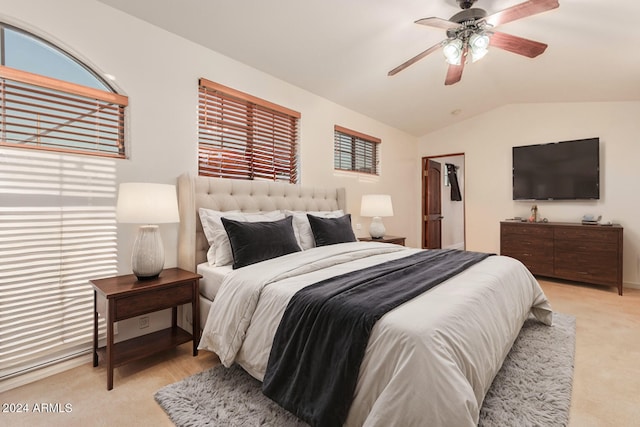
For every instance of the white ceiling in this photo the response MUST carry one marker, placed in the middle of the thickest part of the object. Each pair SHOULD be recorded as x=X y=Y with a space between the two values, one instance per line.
x=343 y=49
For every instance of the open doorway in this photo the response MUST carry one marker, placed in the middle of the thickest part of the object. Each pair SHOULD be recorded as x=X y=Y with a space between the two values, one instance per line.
x=443 y=211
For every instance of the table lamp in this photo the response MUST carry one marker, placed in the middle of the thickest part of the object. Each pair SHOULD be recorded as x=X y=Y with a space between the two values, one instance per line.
x=376 y=206
x=148 y=204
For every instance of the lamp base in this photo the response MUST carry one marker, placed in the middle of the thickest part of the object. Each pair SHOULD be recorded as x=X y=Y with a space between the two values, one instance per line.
x=147 y=257
x=376 y=229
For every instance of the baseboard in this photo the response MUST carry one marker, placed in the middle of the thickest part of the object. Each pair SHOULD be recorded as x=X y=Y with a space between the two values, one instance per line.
x=631 y=285
x=42 y=373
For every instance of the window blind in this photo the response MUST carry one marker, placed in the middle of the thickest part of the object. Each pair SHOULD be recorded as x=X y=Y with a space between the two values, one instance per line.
x=244 y=137
x=355 y=151
x=57 y=231
x=44 y=113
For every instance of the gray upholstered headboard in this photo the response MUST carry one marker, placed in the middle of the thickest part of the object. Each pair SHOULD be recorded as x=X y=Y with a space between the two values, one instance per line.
x=195 y=192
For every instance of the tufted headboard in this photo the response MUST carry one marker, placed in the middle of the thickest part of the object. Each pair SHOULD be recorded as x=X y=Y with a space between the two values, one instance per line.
x=221 y=194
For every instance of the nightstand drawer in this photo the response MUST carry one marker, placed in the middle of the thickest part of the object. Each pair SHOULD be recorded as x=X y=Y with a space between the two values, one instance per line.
x=159 y=299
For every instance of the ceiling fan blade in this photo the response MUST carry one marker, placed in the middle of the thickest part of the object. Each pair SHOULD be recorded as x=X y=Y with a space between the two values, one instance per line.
x=518 y=45
x=522 y=10
x=413 y=60
x=454 y=73
x=437 y=23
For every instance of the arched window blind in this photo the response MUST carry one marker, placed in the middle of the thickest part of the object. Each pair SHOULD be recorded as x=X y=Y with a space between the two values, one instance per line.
x=355 y=151
x=244 y=137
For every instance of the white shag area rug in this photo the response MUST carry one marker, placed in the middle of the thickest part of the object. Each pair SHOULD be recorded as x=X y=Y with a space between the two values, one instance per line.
x=533 y=388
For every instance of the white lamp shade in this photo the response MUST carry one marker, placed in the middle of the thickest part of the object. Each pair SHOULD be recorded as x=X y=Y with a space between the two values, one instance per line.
x=147 y=203
x=376 y=205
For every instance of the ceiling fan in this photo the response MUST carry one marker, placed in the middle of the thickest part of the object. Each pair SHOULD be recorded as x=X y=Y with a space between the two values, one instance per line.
x=470 y=33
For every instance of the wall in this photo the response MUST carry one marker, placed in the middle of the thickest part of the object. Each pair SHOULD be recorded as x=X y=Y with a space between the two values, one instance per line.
x=159 y=72
x=487 y=139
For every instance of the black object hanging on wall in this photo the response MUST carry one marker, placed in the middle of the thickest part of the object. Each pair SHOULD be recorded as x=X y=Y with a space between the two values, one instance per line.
x=453 y=180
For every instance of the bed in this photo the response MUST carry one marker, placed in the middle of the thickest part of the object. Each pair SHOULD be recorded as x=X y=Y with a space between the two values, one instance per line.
x=429 y=361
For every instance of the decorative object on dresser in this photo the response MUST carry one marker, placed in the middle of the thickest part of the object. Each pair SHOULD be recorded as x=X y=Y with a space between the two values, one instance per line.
x=147 y=203
x=376 y=206
x=127 y=297
x=384 y=239
x=571 y=251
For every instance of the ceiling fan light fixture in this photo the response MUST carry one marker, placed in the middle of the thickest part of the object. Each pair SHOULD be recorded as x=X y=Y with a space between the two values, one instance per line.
x=479 y=45
x=452 y=51
x=479 y=41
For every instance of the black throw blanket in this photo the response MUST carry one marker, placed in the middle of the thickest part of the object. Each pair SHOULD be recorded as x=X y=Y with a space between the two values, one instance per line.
x=321 y=340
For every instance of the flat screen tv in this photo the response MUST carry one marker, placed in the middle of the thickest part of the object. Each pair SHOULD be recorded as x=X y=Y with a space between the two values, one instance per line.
x=568 y=170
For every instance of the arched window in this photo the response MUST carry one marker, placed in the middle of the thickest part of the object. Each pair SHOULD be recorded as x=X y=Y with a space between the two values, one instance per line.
x=51 y=101
x=57 y=208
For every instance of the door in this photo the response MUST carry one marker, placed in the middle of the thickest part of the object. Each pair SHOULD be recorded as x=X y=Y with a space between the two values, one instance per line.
x=431 y=205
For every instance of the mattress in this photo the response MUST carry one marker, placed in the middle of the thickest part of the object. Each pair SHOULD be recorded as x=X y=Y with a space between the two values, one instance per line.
x=212 y=278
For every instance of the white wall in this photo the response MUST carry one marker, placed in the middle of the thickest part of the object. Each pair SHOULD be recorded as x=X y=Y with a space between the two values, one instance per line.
x=487 y=139
x=159 y=73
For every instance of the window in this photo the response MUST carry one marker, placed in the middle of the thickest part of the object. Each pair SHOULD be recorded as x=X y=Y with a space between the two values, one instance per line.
x=57 y=231
x=50 y=101
x=57 y=209
x=355 y=151
x=244 y=137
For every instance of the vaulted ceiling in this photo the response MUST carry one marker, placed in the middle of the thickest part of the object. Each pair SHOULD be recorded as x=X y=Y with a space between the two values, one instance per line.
x=342 y=50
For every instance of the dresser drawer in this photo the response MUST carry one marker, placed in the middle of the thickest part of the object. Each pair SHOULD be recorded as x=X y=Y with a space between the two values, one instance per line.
x=135 y=305
x=593 y=234
x=524 y=229
x=535 y=254
x=596 y=266
x=586 y=248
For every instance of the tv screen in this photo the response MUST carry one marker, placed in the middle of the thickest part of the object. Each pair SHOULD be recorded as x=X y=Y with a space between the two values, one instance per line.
x=566 y=170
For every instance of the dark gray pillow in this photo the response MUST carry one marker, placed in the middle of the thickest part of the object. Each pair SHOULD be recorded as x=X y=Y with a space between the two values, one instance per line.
x=329 y=231
x=253 y=242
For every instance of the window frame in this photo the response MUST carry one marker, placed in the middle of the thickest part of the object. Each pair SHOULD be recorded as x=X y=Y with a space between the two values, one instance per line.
x=70 y=110
x=241 y=136
x=359 y=142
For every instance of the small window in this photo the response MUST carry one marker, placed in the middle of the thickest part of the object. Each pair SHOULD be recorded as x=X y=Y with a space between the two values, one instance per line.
x=244 y=137
x=51 y=101
x=355 y=151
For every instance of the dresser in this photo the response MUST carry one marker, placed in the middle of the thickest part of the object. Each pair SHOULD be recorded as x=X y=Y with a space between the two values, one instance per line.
x=582 y=253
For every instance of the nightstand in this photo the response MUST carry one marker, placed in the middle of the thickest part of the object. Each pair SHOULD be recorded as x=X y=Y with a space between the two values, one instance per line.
x=385 y=239
x=127 y=297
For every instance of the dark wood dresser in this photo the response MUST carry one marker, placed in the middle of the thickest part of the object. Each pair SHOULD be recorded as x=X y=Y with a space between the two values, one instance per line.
x=570 y=251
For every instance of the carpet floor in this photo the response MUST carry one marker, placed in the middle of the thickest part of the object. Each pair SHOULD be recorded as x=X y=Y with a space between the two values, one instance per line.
x=533 y=388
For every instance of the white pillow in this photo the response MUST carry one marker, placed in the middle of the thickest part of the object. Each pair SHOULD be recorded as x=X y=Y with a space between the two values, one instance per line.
x=219 y=253
x=209 y=219
x=301 y=226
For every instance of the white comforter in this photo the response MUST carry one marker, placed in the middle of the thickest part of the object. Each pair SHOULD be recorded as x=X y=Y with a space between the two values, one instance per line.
x=428 y=362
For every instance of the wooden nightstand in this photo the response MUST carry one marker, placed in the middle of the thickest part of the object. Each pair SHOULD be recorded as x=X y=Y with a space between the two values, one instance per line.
x=128 y=297
x=385 y=239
